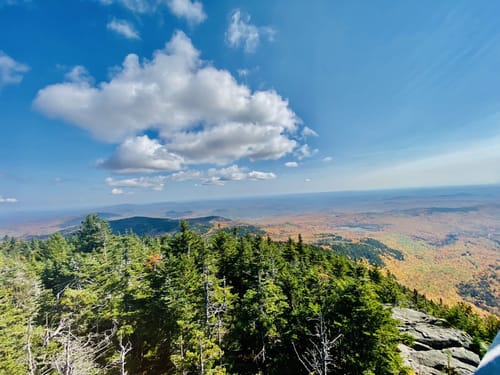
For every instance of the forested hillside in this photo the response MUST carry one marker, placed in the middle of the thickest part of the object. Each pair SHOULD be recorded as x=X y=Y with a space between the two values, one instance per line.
x=98 y=303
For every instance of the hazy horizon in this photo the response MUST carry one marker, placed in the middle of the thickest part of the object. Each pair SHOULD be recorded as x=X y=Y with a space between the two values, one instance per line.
x=247 y=206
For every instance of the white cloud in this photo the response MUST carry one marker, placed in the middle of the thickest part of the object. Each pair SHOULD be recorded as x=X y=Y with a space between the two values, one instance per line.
x=11 y=71
x=234 y=173
x=174 y=91
x=212 y=181
x=156 y=183
x=212 y=176
x=307 y=180
x=308 y=132
x=243 y=72
x=137 y=6
x=142 y=155
x=305 y=151
x=124 y=28
x=327 y=159
x=201 y=114
x=291 y=164
x=242 y=33
x=79 y=74
x=256 y=175
x=246 y=72
x=116 y=191
x=233 y=141
x=192 y=11
x=7 y=200
x=185 y=175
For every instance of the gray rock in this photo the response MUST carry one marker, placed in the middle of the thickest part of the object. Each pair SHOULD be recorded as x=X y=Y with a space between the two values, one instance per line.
x=433 y=361
x=419 y=346
x=410 y=317
x=436 y=348
x=465 y=356
x=429 y=330
x=410 y=359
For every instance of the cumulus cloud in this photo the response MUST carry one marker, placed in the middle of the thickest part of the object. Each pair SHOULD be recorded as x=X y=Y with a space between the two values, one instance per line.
x=327 y=159
x=124 y=28
x=233 y=141
x=192 y=11
x=232 y=173
x=11 y=71
x=291 y=164
x=242 y=33
x=7 y=200
x=116 y=191
x=200 y=113
x=142 y=155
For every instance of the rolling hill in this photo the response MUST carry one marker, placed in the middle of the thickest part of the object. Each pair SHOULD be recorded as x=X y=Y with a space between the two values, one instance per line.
x=152 y=226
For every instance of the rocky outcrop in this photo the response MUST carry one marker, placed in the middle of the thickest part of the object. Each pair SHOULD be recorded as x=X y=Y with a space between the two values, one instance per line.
x=436 y=348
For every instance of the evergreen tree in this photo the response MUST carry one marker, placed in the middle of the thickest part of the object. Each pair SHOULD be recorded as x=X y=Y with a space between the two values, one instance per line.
x=93 y=234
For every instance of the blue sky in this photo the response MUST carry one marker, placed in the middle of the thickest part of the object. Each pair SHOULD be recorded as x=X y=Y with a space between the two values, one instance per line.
x=121 y=101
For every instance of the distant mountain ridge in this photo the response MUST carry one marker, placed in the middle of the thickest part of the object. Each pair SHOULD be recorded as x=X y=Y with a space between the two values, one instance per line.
x=153 y=226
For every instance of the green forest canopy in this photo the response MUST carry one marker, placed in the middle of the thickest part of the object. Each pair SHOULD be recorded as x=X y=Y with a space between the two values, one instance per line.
x=98 y=303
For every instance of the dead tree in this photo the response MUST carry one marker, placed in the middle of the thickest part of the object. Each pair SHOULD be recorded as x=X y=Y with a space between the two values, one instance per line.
x=29 y=352
x=317 y=357
x=124 y=350
x=77 y=355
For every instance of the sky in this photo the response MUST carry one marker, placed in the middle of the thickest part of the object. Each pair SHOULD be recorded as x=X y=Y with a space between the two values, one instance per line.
x=106 y=102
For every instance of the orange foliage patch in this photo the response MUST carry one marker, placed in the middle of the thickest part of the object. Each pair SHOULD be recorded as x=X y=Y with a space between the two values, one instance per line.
x=153 y=260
